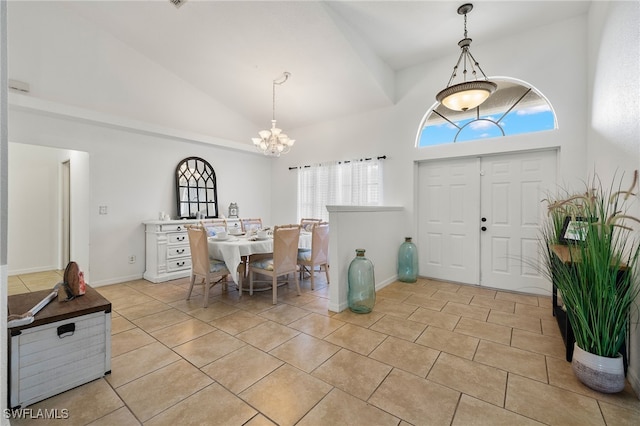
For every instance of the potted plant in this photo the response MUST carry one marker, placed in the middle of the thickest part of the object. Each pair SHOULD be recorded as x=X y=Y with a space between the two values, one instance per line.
x=598 y=283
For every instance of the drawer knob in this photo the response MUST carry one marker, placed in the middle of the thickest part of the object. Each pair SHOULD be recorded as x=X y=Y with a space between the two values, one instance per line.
x=180 y=251
x=180 y=238
x=180 y=263
x=66 y=330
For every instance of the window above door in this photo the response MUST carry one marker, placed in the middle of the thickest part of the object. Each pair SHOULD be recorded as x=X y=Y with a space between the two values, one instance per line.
x=515 y=108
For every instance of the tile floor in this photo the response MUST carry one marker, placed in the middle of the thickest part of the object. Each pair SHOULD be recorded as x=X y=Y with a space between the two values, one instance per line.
x=431 y=353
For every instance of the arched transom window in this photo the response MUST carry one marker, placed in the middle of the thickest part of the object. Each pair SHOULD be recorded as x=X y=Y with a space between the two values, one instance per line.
x=515 y=107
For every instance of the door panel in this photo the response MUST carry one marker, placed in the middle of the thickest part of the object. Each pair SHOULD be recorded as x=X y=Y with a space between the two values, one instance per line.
x=512 y=188
x=448 y=203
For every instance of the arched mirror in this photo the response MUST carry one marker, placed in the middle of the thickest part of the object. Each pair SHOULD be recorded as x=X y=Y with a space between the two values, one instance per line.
x=196 y=189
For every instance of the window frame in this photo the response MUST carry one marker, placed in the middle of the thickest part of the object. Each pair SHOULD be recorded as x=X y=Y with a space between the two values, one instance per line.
x=513 y=92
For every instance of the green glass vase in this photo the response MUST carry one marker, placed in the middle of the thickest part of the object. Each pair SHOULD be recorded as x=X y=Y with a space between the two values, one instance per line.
x=408 y=261
x=362 y=285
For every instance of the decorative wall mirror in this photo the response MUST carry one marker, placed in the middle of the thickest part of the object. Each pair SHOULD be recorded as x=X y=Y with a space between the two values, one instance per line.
x=196 y=189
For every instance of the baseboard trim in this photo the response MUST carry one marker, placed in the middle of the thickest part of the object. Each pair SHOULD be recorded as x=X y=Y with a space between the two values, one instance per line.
x=117 y=280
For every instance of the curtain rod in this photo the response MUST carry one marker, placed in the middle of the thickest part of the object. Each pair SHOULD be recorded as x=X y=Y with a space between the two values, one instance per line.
x=382 y=157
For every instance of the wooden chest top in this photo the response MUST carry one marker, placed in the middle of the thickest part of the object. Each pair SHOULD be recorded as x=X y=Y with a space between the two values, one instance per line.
x=90 y=302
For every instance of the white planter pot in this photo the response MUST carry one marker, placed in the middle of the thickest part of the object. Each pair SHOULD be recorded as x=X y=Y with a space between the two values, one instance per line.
x=598 y=372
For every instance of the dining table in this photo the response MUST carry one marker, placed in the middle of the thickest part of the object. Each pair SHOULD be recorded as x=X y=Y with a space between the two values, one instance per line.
x=233 y=248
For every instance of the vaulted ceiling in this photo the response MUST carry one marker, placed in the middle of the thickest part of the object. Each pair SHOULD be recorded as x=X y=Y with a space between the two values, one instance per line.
x=343 y=56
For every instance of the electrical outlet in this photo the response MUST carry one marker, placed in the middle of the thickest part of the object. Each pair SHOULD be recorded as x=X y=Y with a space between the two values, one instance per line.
x=132 y=259
x=102 y=210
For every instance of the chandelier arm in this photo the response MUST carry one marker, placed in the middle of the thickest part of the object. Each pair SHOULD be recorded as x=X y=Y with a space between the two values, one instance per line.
x=455 y=69
x=477 y=64
x=464 y=70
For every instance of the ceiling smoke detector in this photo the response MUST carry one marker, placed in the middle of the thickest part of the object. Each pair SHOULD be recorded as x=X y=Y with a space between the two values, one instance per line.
x=177 y=3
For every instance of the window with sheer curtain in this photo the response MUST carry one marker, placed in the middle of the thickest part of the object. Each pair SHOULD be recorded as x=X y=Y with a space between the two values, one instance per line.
x=356 y=183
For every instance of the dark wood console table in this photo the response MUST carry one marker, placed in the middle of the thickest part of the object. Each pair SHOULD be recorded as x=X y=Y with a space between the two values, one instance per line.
x=562 y=252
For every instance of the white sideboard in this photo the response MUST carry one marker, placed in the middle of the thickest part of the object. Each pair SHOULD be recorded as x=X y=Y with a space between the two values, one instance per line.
x=168 y=256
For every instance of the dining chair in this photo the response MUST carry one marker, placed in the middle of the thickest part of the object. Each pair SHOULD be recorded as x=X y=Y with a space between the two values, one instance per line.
x=212 y=271
x=319 y=253
x=213 y=226
x=283 y=261
x=307 y=223
x=251 y=225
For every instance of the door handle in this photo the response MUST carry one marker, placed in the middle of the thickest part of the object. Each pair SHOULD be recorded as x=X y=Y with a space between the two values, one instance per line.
x=484 y=228
x=484 y=219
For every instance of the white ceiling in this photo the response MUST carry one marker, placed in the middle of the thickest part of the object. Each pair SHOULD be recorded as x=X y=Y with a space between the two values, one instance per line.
x=343 y=55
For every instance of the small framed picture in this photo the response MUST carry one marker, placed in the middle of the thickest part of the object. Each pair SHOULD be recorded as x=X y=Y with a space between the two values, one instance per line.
x=574 y=230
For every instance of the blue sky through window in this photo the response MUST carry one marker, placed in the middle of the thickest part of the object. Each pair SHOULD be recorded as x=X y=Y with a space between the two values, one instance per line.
x=516 y=122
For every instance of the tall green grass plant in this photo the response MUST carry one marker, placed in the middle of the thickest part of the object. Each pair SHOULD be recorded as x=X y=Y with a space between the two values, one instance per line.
x=600 y=285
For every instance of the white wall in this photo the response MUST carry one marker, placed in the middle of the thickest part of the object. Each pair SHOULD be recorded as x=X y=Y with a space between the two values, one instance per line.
x=132 y=173
x=34 y=240
x=34 y=198
x=613 y=124
x=354 y=227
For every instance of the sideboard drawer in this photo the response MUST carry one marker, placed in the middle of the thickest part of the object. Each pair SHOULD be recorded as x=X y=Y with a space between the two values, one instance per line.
x=178 y=264
x=173 y=228
x=181 y=251
x=178 y=238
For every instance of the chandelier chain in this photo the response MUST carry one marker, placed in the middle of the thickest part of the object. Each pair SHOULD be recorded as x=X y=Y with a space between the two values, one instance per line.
x=284 y=78
x=465 y=25
x=273 y=113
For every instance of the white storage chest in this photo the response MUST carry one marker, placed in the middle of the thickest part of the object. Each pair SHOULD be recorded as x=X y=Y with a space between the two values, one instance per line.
x=67 y=345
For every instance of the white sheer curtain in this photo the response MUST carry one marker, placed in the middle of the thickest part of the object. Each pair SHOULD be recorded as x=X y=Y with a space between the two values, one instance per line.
x=357 y=183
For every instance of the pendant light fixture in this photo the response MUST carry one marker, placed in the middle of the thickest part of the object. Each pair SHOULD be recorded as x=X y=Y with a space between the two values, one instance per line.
x=273 y=142
x=468 y=94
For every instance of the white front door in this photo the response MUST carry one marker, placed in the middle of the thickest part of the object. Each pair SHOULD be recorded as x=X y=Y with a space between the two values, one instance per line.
x=456 y=244
x=448 y=205
x=513 y=187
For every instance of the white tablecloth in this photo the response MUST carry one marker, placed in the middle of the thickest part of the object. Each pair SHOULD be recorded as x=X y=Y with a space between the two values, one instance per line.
x=232 y=250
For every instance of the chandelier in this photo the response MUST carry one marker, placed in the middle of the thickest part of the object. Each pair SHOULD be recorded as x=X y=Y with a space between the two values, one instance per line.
x=273 y=142
x=468 y=94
